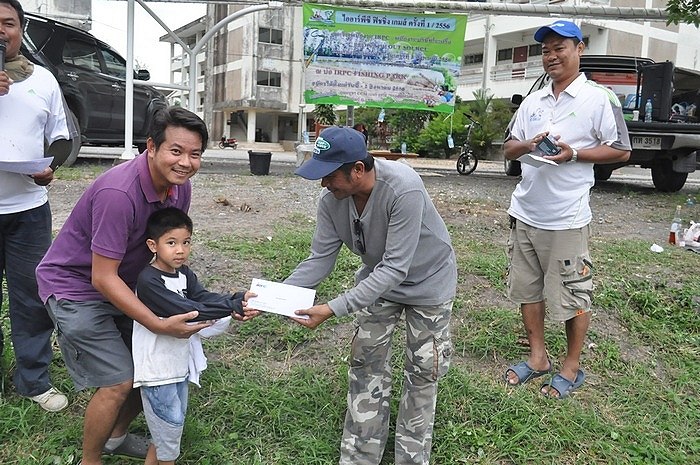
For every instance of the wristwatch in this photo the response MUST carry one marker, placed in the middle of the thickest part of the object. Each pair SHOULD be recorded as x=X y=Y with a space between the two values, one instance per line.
x=574 y=155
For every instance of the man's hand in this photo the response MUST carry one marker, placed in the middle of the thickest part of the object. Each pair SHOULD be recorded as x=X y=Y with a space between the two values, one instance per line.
x=317 y=315
x=177 y=325
x=248 y=313
x=5 y=82
x=43 y=178
x=564 y=155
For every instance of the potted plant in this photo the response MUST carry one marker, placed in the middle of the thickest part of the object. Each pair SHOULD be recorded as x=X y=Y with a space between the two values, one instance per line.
x=324 y=116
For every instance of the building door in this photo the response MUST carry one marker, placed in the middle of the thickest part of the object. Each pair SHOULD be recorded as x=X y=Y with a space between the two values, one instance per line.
x=519 y=56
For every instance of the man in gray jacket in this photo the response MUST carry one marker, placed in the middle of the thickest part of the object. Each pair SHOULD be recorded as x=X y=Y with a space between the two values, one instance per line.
x=381 y=211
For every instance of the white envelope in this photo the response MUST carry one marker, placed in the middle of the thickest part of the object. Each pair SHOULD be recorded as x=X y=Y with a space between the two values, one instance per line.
x=536 y=160
x=280 y=298
x=33 y=166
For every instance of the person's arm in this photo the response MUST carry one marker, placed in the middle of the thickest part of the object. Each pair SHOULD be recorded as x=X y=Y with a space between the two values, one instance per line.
x=516 y=144
x=106 y=280
x=601 y=154
x=325 y=247
x=611 y=130
x=5 y=83
x=211 y=304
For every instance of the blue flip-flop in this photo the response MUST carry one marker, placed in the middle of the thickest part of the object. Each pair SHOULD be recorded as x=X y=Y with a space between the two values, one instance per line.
x=525 y=373
x=563 y=386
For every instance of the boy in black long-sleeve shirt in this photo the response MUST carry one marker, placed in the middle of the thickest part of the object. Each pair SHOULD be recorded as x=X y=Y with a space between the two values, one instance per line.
x=163 y=364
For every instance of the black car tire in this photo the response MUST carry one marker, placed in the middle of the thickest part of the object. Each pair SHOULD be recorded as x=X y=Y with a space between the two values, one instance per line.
x=512 y=167
x=665 y=179
x=602 y=173
x=76 y=142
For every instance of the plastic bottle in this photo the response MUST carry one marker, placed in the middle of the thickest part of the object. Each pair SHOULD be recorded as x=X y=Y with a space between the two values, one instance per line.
x=403 y=147
x=648 y=108
x=674 y=233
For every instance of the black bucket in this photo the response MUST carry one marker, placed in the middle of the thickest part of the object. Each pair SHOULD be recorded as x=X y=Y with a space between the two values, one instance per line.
x=259 y=162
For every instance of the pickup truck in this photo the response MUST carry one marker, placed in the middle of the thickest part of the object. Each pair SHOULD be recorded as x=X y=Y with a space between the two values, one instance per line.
x=92 y=77
x=669 y=144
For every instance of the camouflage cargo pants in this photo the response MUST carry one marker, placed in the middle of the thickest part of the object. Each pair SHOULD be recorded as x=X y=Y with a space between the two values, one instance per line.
x=428 y=351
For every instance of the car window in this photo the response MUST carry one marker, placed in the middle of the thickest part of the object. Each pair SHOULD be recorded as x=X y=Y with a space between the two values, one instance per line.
x=114 y=63
x=83 y=54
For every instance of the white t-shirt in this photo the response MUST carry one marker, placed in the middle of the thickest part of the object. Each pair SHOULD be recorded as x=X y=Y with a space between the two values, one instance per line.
x=31 y=113
x=585 y=115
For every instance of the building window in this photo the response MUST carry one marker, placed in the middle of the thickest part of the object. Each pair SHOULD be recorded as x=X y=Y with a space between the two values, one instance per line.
x=269 y=78
x=473 y=59
x=267 y=35
x=505 y=54
x=534 y=50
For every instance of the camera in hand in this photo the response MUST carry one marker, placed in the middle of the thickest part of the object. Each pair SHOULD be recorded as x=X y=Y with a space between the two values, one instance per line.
x=548 y=146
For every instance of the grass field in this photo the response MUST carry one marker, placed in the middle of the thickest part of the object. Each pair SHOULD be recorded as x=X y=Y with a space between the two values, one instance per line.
x=274 y=393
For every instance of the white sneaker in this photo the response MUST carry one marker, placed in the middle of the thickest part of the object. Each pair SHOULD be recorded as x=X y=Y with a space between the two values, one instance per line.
x=52 y=400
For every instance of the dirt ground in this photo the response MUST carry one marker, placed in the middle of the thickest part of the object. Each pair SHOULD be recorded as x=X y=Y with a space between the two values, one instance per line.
x=228 y=199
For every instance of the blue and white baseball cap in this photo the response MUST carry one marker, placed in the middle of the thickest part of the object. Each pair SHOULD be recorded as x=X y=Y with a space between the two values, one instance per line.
x=335 y=146
x=560 y=27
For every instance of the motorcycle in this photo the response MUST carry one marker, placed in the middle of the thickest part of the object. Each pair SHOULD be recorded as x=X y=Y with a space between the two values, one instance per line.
x=230 y=142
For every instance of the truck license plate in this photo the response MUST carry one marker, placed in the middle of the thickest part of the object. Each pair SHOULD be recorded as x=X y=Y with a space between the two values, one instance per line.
x=646 y=142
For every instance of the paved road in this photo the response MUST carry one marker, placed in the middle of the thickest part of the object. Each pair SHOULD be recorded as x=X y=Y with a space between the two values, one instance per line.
x=425 y=165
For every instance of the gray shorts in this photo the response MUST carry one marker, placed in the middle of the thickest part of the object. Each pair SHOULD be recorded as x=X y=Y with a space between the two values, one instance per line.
x=164 y=408
x=95 y=340
x=554 y=266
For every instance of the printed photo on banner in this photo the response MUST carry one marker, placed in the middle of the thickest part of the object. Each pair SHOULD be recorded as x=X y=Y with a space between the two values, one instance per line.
x=382 y=59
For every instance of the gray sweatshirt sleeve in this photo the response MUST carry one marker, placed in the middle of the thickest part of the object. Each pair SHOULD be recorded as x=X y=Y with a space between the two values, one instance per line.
x=325 y=247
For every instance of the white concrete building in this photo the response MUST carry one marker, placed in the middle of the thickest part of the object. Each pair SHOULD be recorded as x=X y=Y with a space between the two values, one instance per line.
x=77 y=13
x=504 y=49
x=252 y=73
x=253 y=76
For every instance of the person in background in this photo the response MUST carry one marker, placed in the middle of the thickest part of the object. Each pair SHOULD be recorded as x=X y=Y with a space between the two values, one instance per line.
x=381 y=212
x=163 y=365
x=88 y=276
x=363 y=129
x=32 y=116
x=550 y=210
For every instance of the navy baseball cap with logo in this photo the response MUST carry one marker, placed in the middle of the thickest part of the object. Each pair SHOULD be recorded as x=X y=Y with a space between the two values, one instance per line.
x=335 y=146
x=562 y=28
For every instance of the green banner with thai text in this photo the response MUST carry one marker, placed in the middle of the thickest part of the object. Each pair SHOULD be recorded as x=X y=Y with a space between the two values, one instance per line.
x=383 y=59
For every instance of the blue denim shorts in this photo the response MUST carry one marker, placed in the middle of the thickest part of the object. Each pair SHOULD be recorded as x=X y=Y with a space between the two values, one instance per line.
x=164 y=408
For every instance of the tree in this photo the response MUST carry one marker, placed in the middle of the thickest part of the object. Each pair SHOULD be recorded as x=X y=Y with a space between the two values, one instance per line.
x=324 y=114
x=493 y=116
x=683 y=11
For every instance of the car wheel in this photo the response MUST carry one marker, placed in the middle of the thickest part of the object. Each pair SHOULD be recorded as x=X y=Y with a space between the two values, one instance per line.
x=665 y=179
x=76 y=142
x=512 y=167
x=602 y=173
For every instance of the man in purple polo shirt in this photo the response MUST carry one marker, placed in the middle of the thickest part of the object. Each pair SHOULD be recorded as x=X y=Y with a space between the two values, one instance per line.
x=88 y=275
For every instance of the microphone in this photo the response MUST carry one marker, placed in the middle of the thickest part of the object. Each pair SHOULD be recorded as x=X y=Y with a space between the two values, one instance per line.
x=3 y=48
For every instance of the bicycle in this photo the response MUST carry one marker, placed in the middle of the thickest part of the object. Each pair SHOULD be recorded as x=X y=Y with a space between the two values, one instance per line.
x=467 y=161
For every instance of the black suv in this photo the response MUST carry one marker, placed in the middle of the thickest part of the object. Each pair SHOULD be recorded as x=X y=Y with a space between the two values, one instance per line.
x=92 y=77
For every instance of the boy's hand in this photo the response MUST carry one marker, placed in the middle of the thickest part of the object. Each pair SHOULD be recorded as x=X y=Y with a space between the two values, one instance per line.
x=178 y=326
x=248 y=313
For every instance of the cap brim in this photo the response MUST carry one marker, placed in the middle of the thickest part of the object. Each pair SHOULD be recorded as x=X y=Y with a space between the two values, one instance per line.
x=315 y=169
x=544 y=30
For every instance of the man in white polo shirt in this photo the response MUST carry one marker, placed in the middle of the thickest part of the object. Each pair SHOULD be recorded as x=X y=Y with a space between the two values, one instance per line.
x=550 y=211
